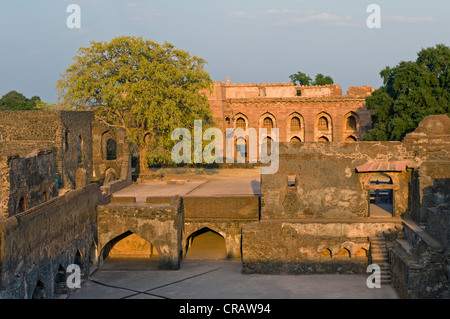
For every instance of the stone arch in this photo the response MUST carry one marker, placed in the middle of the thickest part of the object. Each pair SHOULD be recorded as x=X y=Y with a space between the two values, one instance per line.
x=205 y=243
x=39 y=291
x=240 y=116
x=110 y=175
x=267 y=143
x=22 y=204
x=362 y=252
x=241 y=147
x=266 y=117
x=153 y=251
x=60 y=287
x=351 y=138
x=294 y=132
x=351 y=122
x=343 y=253
x=295 y=139
x=323 y=139
x=323 y=126
x=325 y=253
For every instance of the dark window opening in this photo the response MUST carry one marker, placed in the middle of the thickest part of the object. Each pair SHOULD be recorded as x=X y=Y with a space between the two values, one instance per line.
x=111 y=150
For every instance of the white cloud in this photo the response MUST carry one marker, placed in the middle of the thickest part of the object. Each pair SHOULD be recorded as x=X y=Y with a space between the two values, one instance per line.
x=323 y=17
x=239 y=15
x=283 y=11
x=402 y=18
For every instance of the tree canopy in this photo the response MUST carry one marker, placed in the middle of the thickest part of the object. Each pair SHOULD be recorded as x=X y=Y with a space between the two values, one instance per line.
x=15 y=101
x=411 y=90
x=301 y=78
x=141 y=86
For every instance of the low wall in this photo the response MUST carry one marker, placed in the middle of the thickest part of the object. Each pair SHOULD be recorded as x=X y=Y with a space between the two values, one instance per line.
x=159 y=224
x=37 y=242
x=221 y=207
x=309 y=246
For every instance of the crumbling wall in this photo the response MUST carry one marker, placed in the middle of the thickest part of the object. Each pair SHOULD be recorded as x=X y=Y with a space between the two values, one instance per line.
x=36 y=243
x=66 y=133
x=116 y=165
x=32 y=181
x=326 y=182
x=420 y=255
x=159 y=224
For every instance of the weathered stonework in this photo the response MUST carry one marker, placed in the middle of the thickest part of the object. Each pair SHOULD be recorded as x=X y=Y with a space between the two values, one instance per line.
x=283 y=101
x=159 y=224
x=35 y=243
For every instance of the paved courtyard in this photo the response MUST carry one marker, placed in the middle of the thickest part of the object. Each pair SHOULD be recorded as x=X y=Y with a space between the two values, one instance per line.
x=221 y=280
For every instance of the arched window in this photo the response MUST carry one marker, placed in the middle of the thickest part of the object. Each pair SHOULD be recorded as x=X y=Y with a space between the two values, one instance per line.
x=111 y=148
x=350 y=139
x=350 y=124
x=268 y=123
x=323 y=139
x=66 y=140
x=80 y=150
x=295 y=139
x=295 y=124
x=241 y=148
x=240 y=123
x=22 y=205
x=323 y=124
x=267 y=142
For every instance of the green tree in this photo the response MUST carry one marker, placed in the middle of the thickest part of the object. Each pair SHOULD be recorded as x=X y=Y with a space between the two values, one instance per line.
x=140 y=86
x=323 y=80
x=15 y=101
x=411 y=90
x=300 y=78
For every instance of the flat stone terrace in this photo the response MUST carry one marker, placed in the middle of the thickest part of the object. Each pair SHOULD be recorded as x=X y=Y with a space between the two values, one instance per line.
x=194 y=188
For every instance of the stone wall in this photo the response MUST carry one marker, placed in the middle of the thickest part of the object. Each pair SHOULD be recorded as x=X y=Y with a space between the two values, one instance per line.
x=32 y=181
x=67 y=133
x=38 y=243
x=309 y=246
x=111 y=154
x=283 y=101
x=327 y=184
x=420 y=255
x=159 y=224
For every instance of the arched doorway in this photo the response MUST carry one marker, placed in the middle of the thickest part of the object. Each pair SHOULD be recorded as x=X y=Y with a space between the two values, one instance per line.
x=60 y=281
x=381 y=196
x=206 y=244
x=39 y=291
x=129 y=251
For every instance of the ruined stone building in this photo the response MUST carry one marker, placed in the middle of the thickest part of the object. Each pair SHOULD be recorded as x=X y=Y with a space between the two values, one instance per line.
x=301 y=113
x=330 y=208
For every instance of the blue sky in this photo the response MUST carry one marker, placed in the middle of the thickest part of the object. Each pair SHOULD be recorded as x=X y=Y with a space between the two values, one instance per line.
x=248 y=40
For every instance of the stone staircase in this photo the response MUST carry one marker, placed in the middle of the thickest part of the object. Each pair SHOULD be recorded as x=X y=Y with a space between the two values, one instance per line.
x=379 y=255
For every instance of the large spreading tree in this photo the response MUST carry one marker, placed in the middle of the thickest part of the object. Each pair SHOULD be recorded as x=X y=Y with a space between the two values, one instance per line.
x=141 y=86
x=411 y=90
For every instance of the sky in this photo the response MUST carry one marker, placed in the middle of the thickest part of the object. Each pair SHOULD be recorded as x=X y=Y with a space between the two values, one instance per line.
x=250 y=41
